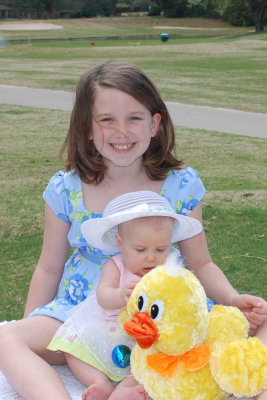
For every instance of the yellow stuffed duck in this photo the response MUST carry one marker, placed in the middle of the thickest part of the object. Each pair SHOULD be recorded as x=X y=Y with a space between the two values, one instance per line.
x=184 y=352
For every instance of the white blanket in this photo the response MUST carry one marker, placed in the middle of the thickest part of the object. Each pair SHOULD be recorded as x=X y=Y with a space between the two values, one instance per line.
x=73 y=386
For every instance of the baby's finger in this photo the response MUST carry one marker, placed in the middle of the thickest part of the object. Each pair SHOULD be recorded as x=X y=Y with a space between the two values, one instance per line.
x=256 y=320
x=261 y=307
x=253 y=328
x=258 y=317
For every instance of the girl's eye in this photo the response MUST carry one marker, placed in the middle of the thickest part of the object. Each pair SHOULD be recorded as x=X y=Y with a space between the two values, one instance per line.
x=134 y=118
x=106 y=120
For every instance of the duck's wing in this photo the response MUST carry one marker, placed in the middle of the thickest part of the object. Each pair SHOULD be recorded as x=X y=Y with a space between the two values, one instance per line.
x=226 y=324
x=240 y=367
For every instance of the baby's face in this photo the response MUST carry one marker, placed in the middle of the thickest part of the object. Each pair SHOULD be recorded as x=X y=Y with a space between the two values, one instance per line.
x=145 y=243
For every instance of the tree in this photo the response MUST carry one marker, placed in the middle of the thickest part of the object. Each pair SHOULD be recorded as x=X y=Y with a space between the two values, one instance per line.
x=237 y=12
x=173 y=8
x=258 y=9
x=245 y=12
x=113 y=4
x=93 y=8
x=191 y=8
x=22 y=8
x=48 y=7
x=214 y=8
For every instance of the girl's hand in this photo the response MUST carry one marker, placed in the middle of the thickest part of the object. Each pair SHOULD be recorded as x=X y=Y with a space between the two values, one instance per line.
x=127 y=289
x=254 y=308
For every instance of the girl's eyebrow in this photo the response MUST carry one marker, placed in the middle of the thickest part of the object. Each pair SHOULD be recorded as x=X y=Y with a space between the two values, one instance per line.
x=102 y=114
x=108 y=114
x=137 y=112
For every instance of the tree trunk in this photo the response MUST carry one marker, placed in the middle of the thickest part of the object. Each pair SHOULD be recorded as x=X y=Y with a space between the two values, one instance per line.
x=49 y=8
x=113 y=4
x=259 y=19
x=258 y=8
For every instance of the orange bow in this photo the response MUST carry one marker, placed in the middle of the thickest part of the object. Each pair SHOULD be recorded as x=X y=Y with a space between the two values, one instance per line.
x=192 y=360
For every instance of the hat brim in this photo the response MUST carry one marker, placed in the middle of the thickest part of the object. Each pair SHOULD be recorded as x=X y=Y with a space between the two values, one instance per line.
x=100 y=233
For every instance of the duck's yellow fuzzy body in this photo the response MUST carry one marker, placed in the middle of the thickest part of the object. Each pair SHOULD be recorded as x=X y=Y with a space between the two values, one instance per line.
x=183 y=385
x=181 y=324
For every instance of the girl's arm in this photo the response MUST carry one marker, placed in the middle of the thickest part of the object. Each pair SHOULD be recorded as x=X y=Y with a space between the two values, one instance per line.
x=47 y=275
x=197 y=258
x=109 y=295
x=215 y=283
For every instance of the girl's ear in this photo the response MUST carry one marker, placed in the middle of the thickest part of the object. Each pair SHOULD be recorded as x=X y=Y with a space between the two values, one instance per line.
x=119 y=241
x=156 y=118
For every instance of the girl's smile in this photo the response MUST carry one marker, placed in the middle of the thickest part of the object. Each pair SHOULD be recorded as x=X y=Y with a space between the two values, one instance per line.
x=122 y=147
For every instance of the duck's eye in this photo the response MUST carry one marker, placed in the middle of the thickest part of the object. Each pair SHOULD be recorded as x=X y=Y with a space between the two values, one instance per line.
x=142 y=302
x=157 y=309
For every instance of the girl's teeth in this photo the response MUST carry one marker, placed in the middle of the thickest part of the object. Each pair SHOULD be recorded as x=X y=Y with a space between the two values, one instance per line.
x=122 y=146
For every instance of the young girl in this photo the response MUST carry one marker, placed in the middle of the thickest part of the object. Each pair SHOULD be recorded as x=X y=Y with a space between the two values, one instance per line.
x=120 y=140
x=141 y=225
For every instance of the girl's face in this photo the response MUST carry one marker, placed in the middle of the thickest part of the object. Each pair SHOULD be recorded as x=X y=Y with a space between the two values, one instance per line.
x=145 y=243
x=122 y=127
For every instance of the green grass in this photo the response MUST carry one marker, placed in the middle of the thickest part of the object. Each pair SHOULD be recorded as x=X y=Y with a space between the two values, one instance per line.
x=130 y=26
x=217 y=66
x=237 y=240
x=232 y=168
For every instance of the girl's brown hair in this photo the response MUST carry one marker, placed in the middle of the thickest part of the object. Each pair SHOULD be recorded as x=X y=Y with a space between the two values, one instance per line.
x=82 y=155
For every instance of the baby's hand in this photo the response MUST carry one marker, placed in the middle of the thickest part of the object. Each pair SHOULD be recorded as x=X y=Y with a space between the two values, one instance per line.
x=253 y=307
x=127 y=289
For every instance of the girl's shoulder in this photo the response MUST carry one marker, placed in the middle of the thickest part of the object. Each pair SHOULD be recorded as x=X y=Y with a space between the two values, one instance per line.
x=63 y=193
x=65 y=180
x=180 y=178
x=184 y=189
x=189 y=173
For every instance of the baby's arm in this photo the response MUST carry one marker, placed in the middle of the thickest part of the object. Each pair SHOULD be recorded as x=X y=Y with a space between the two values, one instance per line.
x=109 y=294
x=127 y=289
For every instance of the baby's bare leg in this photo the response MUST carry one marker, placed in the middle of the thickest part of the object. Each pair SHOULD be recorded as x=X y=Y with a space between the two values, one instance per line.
x=129 y=389
x=22 y=346
x=98 y=385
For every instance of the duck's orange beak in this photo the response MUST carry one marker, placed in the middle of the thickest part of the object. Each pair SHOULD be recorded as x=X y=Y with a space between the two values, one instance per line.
x=143 y=329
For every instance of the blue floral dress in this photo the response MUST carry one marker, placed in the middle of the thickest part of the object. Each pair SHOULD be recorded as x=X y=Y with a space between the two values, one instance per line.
x=182 y=188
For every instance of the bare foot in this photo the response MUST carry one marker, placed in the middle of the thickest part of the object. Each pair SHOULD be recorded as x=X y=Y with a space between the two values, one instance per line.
x=97 y=392
x=262 y=395
x=129 y=392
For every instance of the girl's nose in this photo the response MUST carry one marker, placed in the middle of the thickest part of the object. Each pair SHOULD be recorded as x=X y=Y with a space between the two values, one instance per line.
x=121 y=128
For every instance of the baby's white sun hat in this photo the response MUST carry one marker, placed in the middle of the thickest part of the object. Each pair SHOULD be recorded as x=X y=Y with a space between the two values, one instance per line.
x=101 y=232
